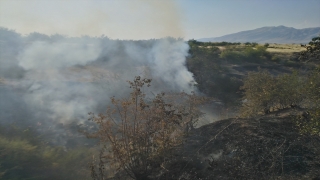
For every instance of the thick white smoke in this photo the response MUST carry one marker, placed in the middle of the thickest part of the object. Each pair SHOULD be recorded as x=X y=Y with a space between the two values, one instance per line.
x=40 y=55
x=65 y=78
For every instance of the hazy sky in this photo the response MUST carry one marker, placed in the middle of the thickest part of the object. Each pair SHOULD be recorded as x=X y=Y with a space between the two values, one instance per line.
x=145 y=19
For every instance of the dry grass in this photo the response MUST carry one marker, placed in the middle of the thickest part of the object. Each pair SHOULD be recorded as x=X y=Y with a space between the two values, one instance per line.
x=222 y=48
x=285 y=48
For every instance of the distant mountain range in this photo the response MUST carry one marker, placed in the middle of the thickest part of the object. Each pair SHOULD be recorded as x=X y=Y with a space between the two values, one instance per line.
x=271 y=34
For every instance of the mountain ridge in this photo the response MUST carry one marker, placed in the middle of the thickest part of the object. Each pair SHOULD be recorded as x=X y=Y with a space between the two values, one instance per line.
x=269 y=34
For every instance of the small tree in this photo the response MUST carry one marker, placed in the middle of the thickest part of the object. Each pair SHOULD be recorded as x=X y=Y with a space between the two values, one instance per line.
x=138 y=133
x=253 y=44
x=264 y=92
x=312 y=50
x=247 y=44
x=309 y=122
x=258 y=93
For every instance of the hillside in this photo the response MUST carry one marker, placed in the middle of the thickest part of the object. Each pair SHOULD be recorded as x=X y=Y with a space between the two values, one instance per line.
x=265 y=147
x=272 y=34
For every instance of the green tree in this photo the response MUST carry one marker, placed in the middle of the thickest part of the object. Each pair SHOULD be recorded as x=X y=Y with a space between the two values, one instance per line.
x=310 y=121
x=253 y=44
x=249 y=54
x=264 y=92
x=312 y=52
x=258 y=93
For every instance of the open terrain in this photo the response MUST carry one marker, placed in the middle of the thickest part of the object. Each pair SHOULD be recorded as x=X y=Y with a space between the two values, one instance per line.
x=222 y=145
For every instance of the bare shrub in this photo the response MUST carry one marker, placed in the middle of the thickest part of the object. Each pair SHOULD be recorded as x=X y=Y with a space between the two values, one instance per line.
x=138 y=132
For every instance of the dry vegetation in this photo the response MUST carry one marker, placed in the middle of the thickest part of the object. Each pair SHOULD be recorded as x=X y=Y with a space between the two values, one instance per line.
x=285 y=48
x=155 y=139
x=139 y=133
x=146 y=136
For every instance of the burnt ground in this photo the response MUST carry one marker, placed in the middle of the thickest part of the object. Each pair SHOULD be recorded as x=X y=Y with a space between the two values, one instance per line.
x=265 y=147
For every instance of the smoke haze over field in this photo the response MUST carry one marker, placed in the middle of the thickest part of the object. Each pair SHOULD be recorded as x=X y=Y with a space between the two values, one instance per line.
x=47 y=79
x=146 y=19
x=51 y=79
x=117 y=19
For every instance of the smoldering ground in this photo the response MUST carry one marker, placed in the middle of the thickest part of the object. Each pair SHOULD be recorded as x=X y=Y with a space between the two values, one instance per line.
x=47 y=80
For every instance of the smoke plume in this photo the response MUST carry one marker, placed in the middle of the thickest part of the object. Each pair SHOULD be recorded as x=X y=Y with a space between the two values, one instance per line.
x=54 y=79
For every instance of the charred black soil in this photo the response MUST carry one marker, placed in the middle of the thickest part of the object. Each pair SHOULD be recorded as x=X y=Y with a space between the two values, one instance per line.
x=265 y=147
